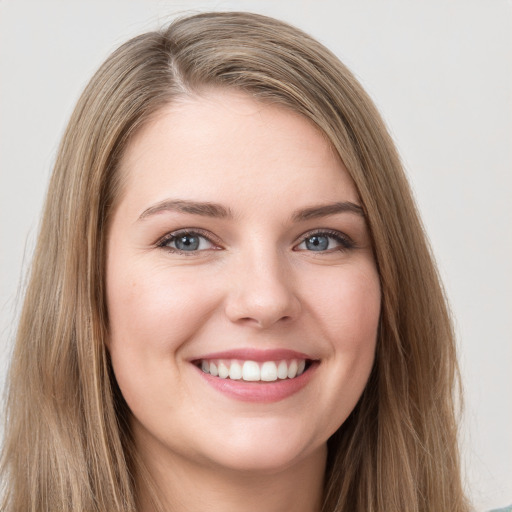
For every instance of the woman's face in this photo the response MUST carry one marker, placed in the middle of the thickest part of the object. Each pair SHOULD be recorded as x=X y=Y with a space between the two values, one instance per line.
x=242 y=292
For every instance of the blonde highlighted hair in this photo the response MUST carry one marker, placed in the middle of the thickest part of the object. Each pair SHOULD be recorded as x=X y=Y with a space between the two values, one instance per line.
x=67 y=438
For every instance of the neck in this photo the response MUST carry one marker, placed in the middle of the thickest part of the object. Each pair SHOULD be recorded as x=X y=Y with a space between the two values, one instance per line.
x=187 y=487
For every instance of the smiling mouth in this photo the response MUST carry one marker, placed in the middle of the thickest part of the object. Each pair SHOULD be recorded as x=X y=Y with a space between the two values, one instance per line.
x=253 y=371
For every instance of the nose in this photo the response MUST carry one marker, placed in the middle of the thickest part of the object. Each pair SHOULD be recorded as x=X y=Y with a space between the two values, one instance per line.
x=262 y=293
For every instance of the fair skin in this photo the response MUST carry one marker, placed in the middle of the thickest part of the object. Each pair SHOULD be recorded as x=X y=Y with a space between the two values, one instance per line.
x=277 y=275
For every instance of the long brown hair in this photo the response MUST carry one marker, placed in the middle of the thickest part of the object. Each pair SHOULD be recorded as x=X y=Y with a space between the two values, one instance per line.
x=67 y=440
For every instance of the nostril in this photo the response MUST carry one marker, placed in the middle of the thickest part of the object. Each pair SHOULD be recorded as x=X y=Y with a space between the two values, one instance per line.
x=253 y=306
x=265 y=322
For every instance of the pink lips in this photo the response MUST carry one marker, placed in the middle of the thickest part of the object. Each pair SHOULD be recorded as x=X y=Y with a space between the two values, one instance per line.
x=262 y=392
x=249 y=354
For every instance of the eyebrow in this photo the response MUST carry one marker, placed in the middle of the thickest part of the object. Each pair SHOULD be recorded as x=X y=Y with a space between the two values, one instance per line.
x=205 y=209
x=329 y=209
x=208 y=209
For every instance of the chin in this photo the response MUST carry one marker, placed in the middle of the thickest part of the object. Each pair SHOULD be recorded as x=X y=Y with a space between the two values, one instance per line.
x=266 y=448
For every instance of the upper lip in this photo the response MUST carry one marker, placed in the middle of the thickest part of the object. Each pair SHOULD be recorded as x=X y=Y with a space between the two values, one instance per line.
x=258 y=355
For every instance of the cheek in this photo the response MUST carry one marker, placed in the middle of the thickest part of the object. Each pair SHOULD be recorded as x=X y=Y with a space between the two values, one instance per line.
x=154 y=309
x=152 y=314
x=347 y=306
x=347 y=310
x=355 y=328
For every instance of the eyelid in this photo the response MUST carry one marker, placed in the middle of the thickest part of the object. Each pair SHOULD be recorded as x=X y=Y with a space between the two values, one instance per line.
x=345 y=241
x=162 y=241
x=343 y=238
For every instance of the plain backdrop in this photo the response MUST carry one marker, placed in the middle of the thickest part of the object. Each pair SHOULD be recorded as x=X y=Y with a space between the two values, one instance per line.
x=441 y=74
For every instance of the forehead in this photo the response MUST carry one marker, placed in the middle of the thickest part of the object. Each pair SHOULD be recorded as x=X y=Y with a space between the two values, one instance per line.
x=224 y=146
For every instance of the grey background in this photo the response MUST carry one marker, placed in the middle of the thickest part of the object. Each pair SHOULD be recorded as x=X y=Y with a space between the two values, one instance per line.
x=440 y=72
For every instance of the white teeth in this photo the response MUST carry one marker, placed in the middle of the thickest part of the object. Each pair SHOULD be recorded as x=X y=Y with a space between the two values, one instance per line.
x=282 y=370
x=269 y=371
x=223 y=371
x=292 y=369
x=235 y=371
x=252 y=371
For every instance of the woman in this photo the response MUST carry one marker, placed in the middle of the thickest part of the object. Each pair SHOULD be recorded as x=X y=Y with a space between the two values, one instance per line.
x=232 y=303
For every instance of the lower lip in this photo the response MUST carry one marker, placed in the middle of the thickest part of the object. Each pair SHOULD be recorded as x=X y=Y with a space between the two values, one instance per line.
x=262 y=392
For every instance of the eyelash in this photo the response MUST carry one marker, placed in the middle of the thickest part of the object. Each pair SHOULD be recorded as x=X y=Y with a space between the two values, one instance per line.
x=346 y=243
x=170 y=237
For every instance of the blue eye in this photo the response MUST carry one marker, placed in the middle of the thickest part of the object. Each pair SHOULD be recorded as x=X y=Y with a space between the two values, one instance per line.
x=317 y=243
x=189 y=241
x=321 y=242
